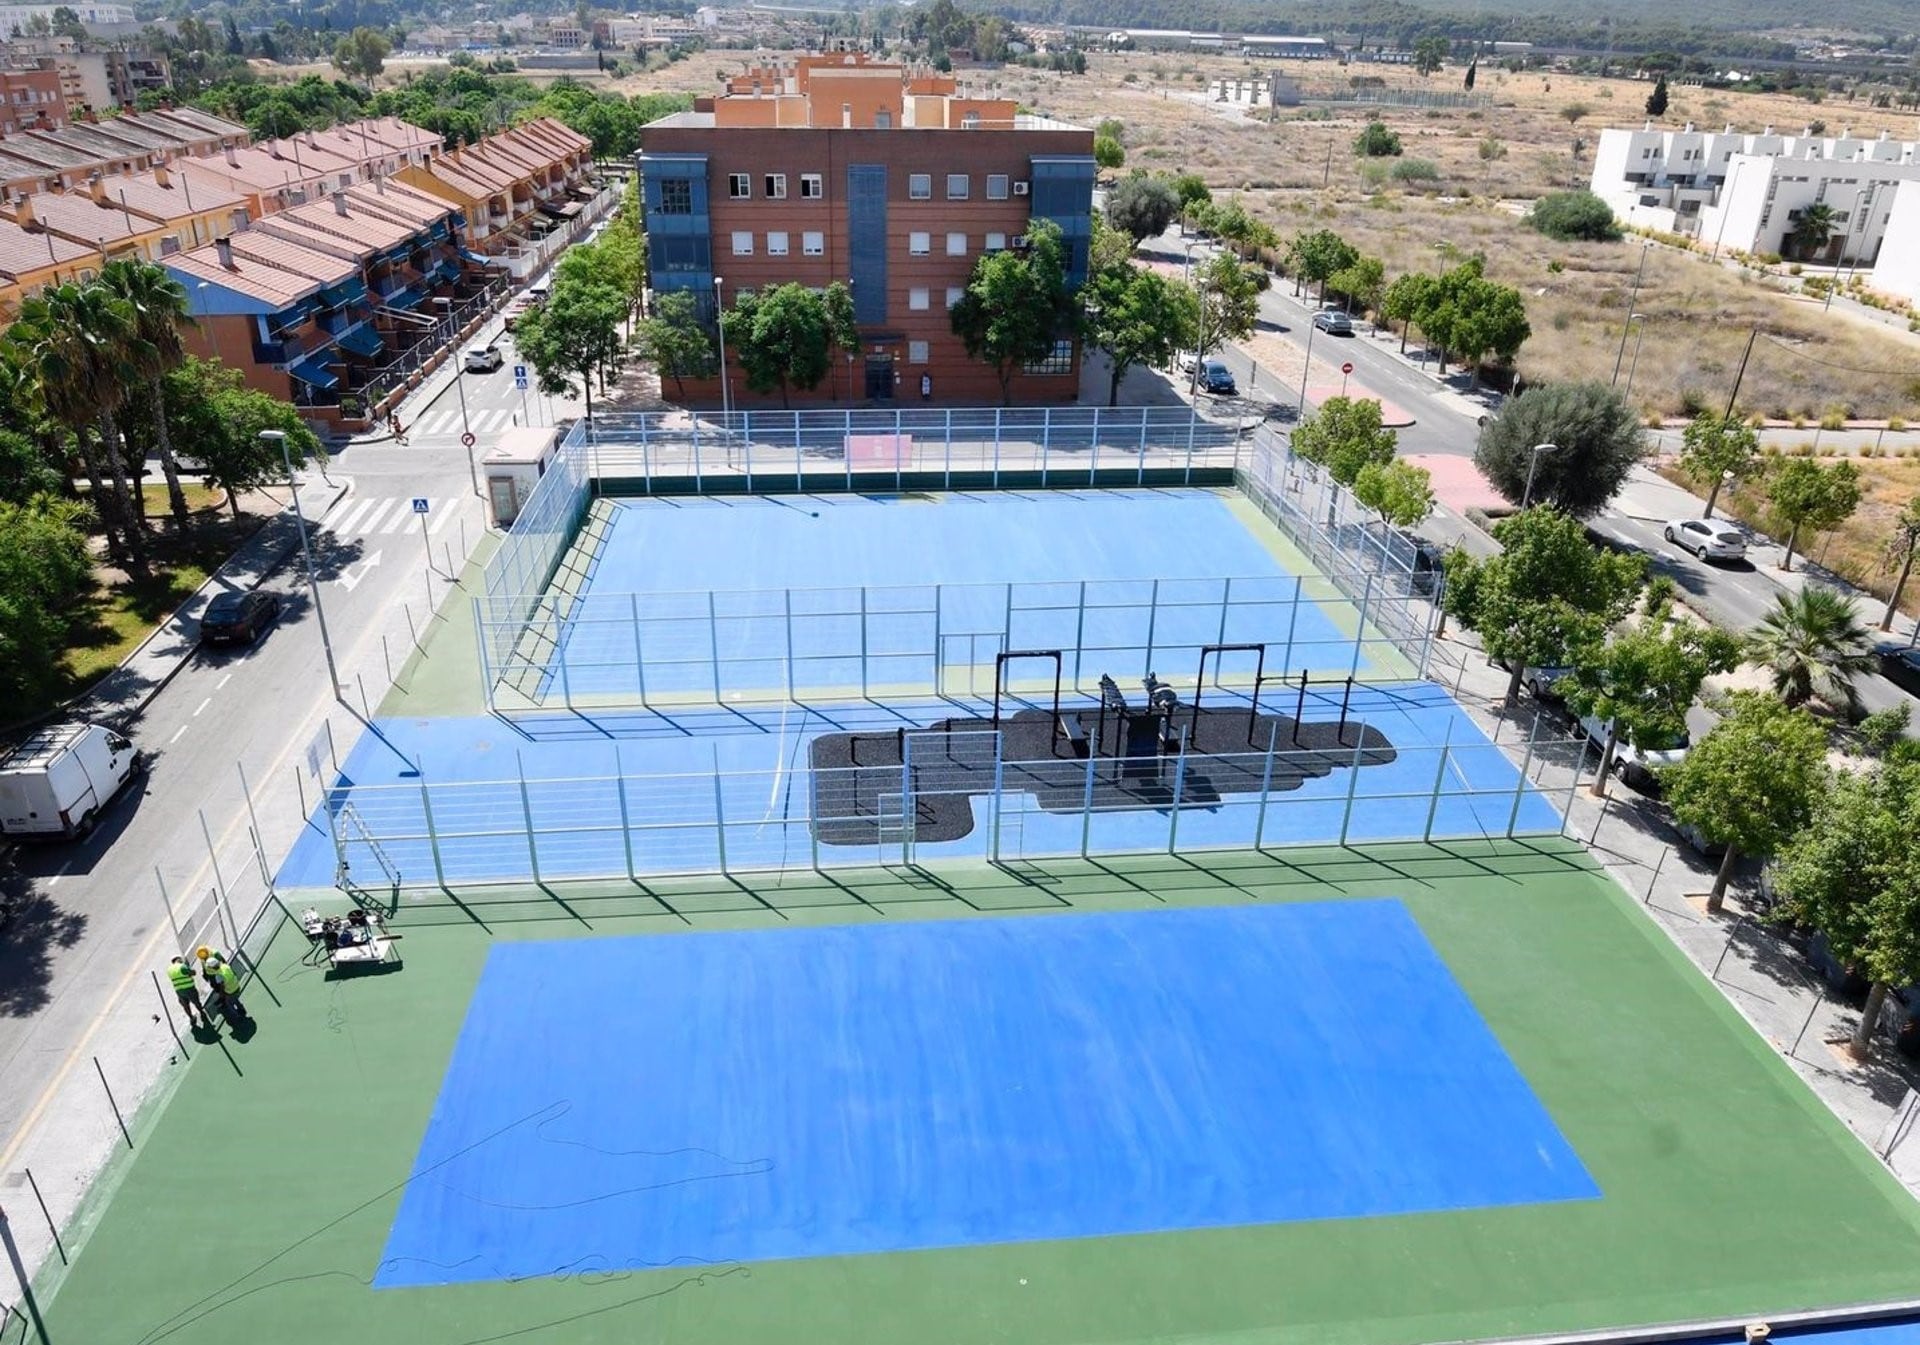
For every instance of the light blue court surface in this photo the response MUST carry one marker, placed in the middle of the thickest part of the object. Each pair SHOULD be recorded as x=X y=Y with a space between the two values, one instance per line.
x=952 y=577
x=616 y=1104
x=1446 y=781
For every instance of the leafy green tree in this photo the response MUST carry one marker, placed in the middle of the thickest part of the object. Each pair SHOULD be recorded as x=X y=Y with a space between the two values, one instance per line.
x=1108 y=152
x=1487 y=319
x=843 y=325
x=1398 y=491
x=1229 y=303
x=217 y=420
x=1598 y=440
x=1345 y=436
x=1853 y=873
x=1644 y=679
x=1902 y=545
x=1657 y=100
x=782 y=338
x=1142 y=206
x=675 y=341
x=1318 y=254
x=1139 y=317
x=1376 y=142
x=1362 y=281
x=25 y=470
x=575 y=332
x=158 y=306
x=1803 y=494
x=1574 y=216
x=44 y=568
x=1192 y=190
x=1719 y=449
x=1751 y=783
x=1404 y=300
x=1548 y=593
x=1430 y=54
x=362 y=53
x=1812 y=645
x=1016 y=305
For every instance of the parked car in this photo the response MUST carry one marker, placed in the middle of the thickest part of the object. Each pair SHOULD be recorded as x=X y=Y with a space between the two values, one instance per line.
x=537 y=293
x=1901 y=666
x=238 y=618
x=484 y=360
x=56 y=781
x=1638 y=763
x=1545 y=683
x=1215 y=377
x=1707 y=538
x=1333 y=322
x=514 y=310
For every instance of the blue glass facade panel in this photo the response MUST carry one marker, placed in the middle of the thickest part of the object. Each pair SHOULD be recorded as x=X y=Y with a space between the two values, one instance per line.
x=867 y=241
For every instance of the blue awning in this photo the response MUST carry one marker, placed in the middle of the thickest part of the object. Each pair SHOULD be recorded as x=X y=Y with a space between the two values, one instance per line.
x=361 y=339
x=347 y=291
x=478 y=260
x=313 y=371
x=407 y=296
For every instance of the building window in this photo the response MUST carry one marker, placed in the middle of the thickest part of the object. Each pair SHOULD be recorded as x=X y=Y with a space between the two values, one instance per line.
x=970 y=121
x=812 y=187
x=919 y=244
x=953 y=295
x=742 y=243
x=676 y=196
x=918 y=299
x=813 y=244
x=776 y=186
x=883 y=120
x=956 y=245
x=776 y=245
x=739 y=186
x=996 y=186
x=1059 y=362
x=916 y=352
x=996 y=242
x=958 y=185
x=920 y=186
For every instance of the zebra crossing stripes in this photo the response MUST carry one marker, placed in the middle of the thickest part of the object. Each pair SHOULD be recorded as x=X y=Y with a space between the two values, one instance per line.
x=445 y=420
x=376 y=515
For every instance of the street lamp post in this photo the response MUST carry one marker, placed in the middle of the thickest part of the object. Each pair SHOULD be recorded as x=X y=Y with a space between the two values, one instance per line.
x=1638 y=341
x=1533 y=465
x=213 y=333
x=720 y=328
x=1301 y=410
x=460 y=386
x=1632 y=299
x=306 y=552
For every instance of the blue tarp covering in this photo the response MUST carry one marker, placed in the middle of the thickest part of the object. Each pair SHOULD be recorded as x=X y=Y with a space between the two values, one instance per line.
x=346 y=292
x=361 y=339
x=312 y=370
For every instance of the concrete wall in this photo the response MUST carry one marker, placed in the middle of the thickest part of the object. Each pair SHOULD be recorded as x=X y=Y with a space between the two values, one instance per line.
x=1897 y=271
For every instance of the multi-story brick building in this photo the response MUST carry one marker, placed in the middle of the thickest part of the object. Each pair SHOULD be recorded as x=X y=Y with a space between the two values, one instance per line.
x=889 y=179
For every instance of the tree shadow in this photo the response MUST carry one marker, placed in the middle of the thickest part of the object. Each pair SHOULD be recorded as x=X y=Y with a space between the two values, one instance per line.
x=32 y=926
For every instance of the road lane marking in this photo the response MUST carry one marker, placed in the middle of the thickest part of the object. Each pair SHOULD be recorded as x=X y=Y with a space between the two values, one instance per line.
x=203 y=705
x=223 y=681
x=176 y=735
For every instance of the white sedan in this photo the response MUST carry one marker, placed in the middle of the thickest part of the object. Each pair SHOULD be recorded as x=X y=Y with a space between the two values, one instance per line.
x=1707 y=538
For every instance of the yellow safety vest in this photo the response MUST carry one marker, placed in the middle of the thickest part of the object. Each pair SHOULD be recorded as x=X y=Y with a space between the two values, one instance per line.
x=181 y=975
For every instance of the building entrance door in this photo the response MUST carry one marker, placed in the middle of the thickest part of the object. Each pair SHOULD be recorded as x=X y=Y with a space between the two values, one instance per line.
x=879 y=378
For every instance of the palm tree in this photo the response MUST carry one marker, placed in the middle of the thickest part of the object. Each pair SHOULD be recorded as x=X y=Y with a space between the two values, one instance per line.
x=1812 y=230
x=74 y=340
x=159 y=304
x=1812 y=644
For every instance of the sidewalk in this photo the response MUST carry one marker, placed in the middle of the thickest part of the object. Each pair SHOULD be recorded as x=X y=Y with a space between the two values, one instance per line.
x=140 y=676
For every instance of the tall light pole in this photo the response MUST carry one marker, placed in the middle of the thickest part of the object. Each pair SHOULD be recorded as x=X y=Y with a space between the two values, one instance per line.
x=1638 y=341
x=306 y=552
x=1533 y=465
x=460 y=386
x=213 y=333
x=1725 y=200
x=720 y=329
x=1632 y=299
x=1301 y=410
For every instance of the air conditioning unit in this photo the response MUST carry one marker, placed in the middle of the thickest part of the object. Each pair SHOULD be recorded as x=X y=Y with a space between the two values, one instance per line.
x=1020 y=188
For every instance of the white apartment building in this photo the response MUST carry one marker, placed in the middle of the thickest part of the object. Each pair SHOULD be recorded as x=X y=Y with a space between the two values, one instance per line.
x=1744 y=192
x=1897 y=270
x=15 y=18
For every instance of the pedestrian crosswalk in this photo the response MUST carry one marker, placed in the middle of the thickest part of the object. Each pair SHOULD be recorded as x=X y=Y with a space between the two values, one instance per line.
x=446 y=420
x=373 y=516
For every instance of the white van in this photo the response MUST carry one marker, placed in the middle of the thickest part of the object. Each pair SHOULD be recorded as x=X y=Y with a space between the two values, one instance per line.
x=1637 y=762
x=57 y=781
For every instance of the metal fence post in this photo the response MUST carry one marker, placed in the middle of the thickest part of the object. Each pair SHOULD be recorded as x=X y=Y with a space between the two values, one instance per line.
x=999 y=796
x=220 y=882
x=1086 y=804
x=846 y=444
x=1266 y=786
x=799 y=483
x=787 y=597
x=1520 y=786
x=433 y=833
x=713 y=644
x=946 y=471
x=1579 y=769
x=1360 y=633
x=1153 y=621
x=1353 y=786
x=1079 y=633
x=996 y=453
x=719 y=812
x=526 y=811
x=1143 y=434
x=1293 y=620
x=906 y=799
x=1179 y=792
x=639 y=659
x=1046 y=439
x=863 y=640
x=813 y=818
x=253 y=817
x=481 y=635
x=166 y=902
x=626 y=819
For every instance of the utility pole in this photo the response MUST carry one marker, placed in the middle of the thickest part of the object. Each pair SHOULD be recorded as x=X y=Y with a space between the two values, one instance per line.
x=1733 y=396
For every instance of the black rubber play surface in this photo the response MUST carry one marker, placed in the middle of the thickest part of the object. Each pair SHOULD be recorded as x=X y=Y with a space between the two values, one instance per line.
x=859 y=778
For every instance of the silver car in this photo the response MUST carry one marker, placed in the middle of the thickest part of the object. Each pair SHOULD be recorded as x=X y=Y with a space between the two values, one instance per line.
x=1333 y=322
x=1707 y=538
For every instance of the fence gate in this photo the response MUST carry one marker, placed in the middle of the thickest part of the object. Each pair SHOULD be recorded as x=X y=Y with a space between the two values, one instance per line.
x=965 y=663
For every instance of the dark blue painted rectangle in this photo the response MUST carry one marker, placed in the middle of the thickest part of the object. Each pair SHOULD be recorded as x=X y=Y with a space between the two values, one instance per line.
x=624 y=1103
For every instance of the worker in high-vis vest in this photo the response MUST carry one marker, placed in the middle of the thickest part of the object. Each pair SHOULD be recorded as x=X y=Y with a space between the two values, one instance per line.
x=181 y=975
x=223 y=983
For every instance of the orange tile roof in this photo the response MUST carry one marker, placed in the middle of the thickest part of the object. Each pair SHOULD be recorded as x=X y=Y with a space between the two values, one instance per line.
x=291 y=257
x=78 y=215
x=23 y=252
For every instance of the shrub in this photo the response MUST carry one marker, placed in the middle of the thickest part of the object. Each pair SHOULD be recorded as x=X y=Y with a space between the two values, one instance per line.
x=1416 y=170
x=1896 y=423
x=1572 y=216
x=1834 y=419
x=1555 y=267
x=1376 y=142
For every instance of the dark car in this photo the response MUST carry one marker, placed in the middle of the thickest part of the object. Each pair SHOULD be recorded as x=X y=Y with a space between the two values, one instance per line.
x=1215 y=377
x=1901 y=665
x=238 y=618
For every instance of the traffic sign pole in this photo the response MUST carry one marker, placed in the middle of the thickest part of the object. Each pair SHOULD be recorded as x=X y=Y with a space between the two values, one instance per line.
x=1345 y=369
x=420 y=508
x=473 y=472
x=520 y=382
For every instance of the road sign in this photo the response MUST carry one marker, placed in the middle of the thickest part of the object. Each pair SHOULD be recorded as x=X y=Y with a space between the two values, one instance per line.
x=520 y=377
x=466 y=439
x=1347 y=368
x=419 y=506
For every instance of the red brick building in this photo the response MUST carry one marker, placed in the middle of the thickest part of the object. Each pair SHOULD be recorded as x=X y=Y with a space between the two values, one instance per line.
x=891 y=180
